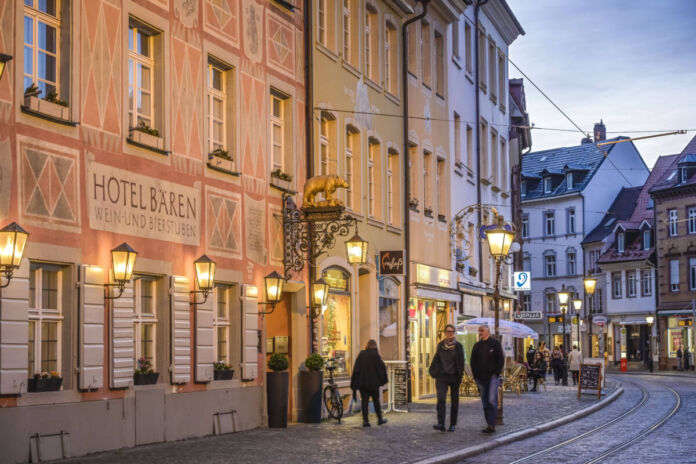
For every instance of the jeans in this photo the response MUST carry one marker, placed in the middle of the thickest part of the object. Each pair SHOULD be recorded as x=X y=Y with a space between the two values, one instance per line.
x=365 y=395
x=441 y=385
x=489 y=397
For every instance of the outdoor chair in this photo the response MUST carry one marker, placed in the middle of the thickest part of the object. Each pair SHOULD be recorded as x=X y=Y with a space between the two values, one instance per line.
x=468 y=383
x=511 y=381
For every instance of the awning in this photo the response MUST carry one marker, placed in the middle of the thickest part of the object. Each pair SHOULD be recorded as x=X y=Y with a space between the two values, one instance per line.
x=432 y=294
x=675 y=312
x=505 y=327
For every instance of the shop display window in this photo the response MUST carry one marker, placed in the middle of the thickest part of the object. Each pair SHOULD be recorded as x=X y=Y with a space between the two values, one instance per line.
x=336 y=321
x=388 y=318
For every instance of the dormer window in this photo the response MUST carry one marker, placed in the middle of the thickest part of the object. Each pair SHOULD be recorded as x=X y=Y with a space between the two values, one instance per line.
x=621 y=242
x=523 y=188
x=683 y=174
x=569 y=181
x=647 y=239
x=547 y=185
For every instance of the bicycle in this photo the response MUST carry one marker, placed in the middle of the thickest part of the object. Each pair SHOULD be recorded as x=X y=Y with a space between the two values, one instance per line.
x=332 y=397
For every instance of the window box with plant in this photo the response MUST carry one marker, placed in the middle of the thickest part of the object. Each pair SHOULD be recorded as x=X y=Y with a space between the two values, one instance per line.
x=223 y=371
x=428 y=211
x=281 y=180
x=221 y=160
x=441 y=218
x=144 y=135
x=277 y=390
x=50 y=105
x=144 y=375
x=45 y=382
x=310 y=382
x=413 y=204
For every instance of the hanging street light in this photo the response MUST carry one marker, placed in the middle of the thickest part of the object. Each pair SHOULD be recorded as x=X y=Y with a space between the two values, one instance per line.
x=356 y=249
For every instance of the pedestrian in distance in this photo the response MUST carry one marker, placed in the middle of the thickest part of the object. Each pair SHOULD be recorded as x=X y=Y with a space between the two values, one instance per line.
x=447 y=368
x=679 y=359
x=574 y=361
x=687 y=358
x=369 y=374
x=538 y=370
x=545 y=353
x=556 y=363
x=531 y=354
x=487 y=360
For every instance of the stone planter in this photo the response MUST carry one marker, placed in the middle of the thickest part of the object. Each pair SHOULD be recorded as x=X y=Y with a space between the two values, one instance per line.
x=310 y=383
x=44 y=385
x=145 y=379
x=148 y=140
x=48 y=108
x=226 y=374
x=280 y=183
x=221 y=164
x=277 y=398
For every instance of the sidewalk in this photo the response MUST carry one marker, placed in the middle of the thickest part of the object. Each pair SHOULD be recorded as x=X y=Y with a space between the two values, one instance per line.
x=406 y=438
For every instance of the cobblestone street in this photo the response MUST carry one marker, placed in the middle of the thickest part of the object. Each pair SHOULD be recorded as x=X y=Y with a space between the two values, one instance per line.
x=406 y=438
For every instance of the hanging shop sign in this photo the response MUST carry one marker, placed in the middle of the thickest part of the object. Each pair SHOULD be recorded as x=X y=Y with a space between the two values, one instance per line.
x=529 y=315
x=391 y=262
x=599 y=320
x=522 y=281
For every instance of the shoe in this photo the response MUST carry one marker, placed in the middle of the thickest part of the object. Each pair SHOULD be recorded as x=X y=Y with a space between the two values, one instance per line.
x=451 y=428
x=439 y=427
x=488 y=430
x=381 y=421
x=533 y=389
x=366 y=424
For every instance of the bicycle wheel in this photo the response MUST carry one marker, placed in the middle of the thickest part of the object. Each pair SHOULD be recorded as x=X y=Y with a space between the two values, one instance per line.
x=339 y=404
x=332 y=401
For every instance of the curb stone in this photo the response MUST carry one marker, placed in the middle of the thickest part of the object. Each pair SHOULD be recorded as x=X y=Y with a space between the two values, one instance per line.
x=520 y=434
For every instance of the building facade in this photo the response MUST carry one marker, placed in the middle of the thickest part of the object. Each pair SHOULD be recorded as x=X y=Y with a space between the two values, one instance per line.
x=158 y=123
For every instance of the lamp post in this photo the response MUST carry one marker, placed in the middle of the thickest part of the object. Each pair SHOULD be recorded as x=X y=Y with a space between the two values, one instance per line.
x=577 y=306
x=650 y=320
x=563 y=297
x=590 y=286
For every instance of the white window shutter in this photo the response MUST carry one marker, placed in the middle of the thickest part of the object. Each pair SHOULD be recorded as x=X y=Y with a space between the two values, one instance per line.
x=250 y=322
x=14 y=361
x=91 y=327
x=204 y=340
x=122 y=344
x=181 y=329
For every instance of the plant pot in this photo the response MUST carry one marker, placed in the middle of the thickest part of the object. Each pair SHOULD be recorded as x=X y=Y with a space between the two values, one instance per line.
x=277 y=398
x=44 y=385
x=145 y=379
x=48 y=108
x=310 y=396
x=149 y=140
x=225 y=374
x=280 y=183
x=221 y=164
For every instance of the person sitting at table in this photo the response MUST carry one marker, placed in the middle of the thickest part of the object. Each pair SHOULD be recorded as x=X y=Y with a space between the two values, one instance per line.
x=538 y=369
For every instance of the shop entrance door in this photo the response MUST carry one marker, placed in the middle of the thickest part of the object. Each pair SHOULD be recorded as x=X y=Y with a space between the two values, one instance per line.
x=426 y=330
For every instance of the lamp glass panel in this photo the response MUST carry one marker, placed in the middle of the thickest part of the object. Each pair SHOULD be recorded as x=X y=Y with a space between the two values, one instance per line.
x=2 y=68
x=649 y=319
x=563 y=297
x=590 y=285
x=356 y=249
x=274 y=287
x=499 y=241
x=123 y=262
x=321 y=292
x=12 y=243
x=205 y=273
x=577 y=304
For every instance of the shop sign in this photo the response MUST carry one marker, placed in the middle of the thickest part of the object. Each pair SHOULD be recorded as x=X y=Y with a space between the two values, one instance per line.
x=433 y=276
x=559 y=328
x=336 y=279
x=522 y=281
x=391 y=262
x=685 y=323
x=599 y=320
x=529 y=315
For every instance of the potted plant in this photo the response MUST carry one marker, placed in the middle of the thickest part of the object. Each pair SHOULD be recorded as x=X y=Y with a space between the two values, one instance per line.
x=146 y=135
x=50 y=105
x=413 y=204
x=428 y=211
x=310 y=382
x=221 y=160
x=222 y=371
x=45 y=382
x=441 y=218
x=144 y=375
x=281 y=179
x=277 y=390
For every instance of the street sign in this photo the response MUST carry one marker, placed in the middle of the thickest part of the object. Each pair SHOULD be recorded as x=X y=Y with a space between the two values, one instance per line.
x=529 y=315
x=522 y=281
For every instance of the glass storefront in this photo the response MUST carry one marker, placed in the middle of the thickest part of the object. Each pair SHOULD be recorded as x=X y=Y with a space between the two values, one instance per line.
x=335 y=323
x=427 y=326
x=678 y=335
x=467 y=339
x=388 y=318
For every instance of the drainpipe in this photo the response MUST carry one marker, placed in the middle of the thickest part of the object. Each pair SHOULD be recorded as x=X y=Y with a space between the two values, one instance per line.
x=407 y=184
x=477 y=5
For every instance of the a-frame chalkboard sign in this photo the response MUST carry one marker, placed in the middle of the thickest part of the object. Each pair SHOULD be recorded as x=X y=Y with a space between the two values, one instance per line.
x=590 y=378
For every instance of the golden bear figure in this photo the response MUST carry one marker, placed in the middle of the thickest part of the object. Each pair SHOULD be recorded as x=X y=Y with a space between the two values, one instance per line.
x=323 y=184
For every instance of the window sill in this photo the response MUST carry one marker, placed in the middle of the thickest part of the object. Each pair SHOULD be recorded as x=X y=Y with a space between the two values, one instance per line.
x=457 y=61
x=327 y=51
x=375 y=222
x=287 y=5
x=375 y=86
x=351 y=69
x=48 y=111
x=493 y=98
x=147 y=141
x=440 y=97
x=442 y=218
x=394 y=229
x=282 y=185
x=502 y=108
x=485 y=181
x=224 y=384
x=505 y=194
x=224 y=165
x=393 y=98
x=61 y=396
x=469 y=77
x=483 y=87
x=495 y=188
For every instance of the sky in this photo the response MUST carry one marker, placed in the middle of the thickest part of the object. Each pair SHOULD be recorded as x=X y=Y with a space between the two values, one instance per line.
x=631 y=63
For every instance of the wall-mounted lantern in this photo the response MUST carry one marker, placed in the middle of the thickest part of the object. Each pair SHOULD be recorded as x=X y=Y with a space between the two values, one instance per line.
x=3 y=62
x=123 y=263
x=274 y=284
x=13 y=239
x=356 y=249
x=205 y=277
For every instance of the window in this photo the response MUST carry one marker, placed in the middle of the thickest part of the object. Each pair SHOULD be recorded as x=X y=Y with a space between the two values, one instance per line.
x=222 y=322
x=141 y=76
x=494 y=163
x=492 y=84
x=674 y=275
x=373 y=172
x=219 y=110
x=482 y=59
x=569 y=181
x=412 y=49
x=594 y=257
x=692 y=274
x=621 y=242
x=684 y=176
x=647 y=239
x=646 y=283
x=457 y=140
x=549 y=265
x=571 y=258
x=483 y=138
x=326 y=23
x=673 y=218
x=597 y=301
x=335 y=325
x=526 y=262
x=631 y=281
x=502 y=81
x=549 y=223
x=327 y=142
x=470 y=148
x=391 y=79
x=550 y=303
x=441 y=190
x=439 y=65
x=389 y=292
x=145 y=320
x=523 y=188
x=504 y=163
x=525 y=226
x=281 y=131
x=412 y=164
x=526 y=302
x=393 y=185
x=548 y=186
x=571 y=220
x=371 y=43
x=352 y=169
x=455 y=38
x=426 y=53
x=46 y=318
x=427 y=179
x=616 y=285
x=350 y=32
x=692 y=220
x=468 y=56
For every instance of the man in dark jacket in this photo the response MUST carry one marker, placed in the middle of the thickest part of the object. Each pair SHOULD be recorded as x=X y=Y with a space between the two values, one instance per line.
x=531 y=354
x=447 y=368
x=369 y=373
x=487 y=360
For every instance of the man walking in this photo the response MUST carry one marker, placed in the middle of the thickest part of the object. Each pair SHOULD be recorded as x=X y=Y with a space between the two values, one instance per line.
x=487 y=362
x=447 y=369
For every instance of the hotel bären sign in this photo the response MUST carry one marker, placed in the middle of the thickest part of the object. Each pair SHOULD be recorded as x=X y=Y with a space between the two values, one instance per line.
x=391 y=262
x=128 y=203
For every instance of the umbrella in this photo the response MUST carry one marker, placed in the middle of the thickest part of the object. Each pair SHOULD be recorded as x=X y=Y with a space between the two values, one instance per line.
x=504 y=327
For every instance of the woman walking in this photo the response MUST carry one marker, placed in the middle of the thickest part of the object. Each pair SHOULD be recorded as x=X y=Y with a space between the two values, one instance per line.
x=545 y=353
x=556 y=363
x=369 y=374
x=574 y=361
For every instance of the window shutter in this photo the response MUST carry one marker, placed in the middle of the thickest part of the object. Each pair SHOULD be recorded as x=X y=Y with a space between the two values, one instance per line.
x=204 y=340
x=181 y=329
x=122 y=343
x=91 y=327
x=250 y=321
x=14 y=305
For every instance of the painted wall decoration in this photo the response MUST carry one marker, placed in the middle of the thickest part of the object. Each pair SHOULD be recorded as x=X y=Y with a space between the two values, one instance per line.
x=187 y=93
x=5 y=177
x=6 y=40
x=275 y=233
x=255 y=229
x=254 y=132
x=280 y=45
x=187 y=12
x=221 y=17
x=49 y=187
x=224 y=222
x=253 y=30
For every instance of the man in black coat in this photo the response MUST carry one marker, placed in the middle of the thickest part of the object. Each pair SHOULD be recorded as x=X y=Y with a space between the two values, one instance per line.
x=369 y=373
x=447 y=368
x=487 y=361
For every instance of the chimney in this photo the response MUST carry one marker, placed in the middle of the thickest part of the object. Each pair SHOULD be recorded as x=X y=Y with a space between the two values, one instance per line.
x=600 y=131
x=585 y=140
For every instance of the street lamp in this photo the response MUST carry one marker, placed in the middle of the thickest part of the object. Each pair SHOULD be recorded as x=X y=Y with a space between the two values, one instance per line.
x=13 y=239
x=3 y=62
x=123 y=263
x=273 y=284
x=205 y=277
x=356 y=249
x=577 y=305
x=590 y=287
x=563 y=297
x=650 y=320
x=319 y=296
